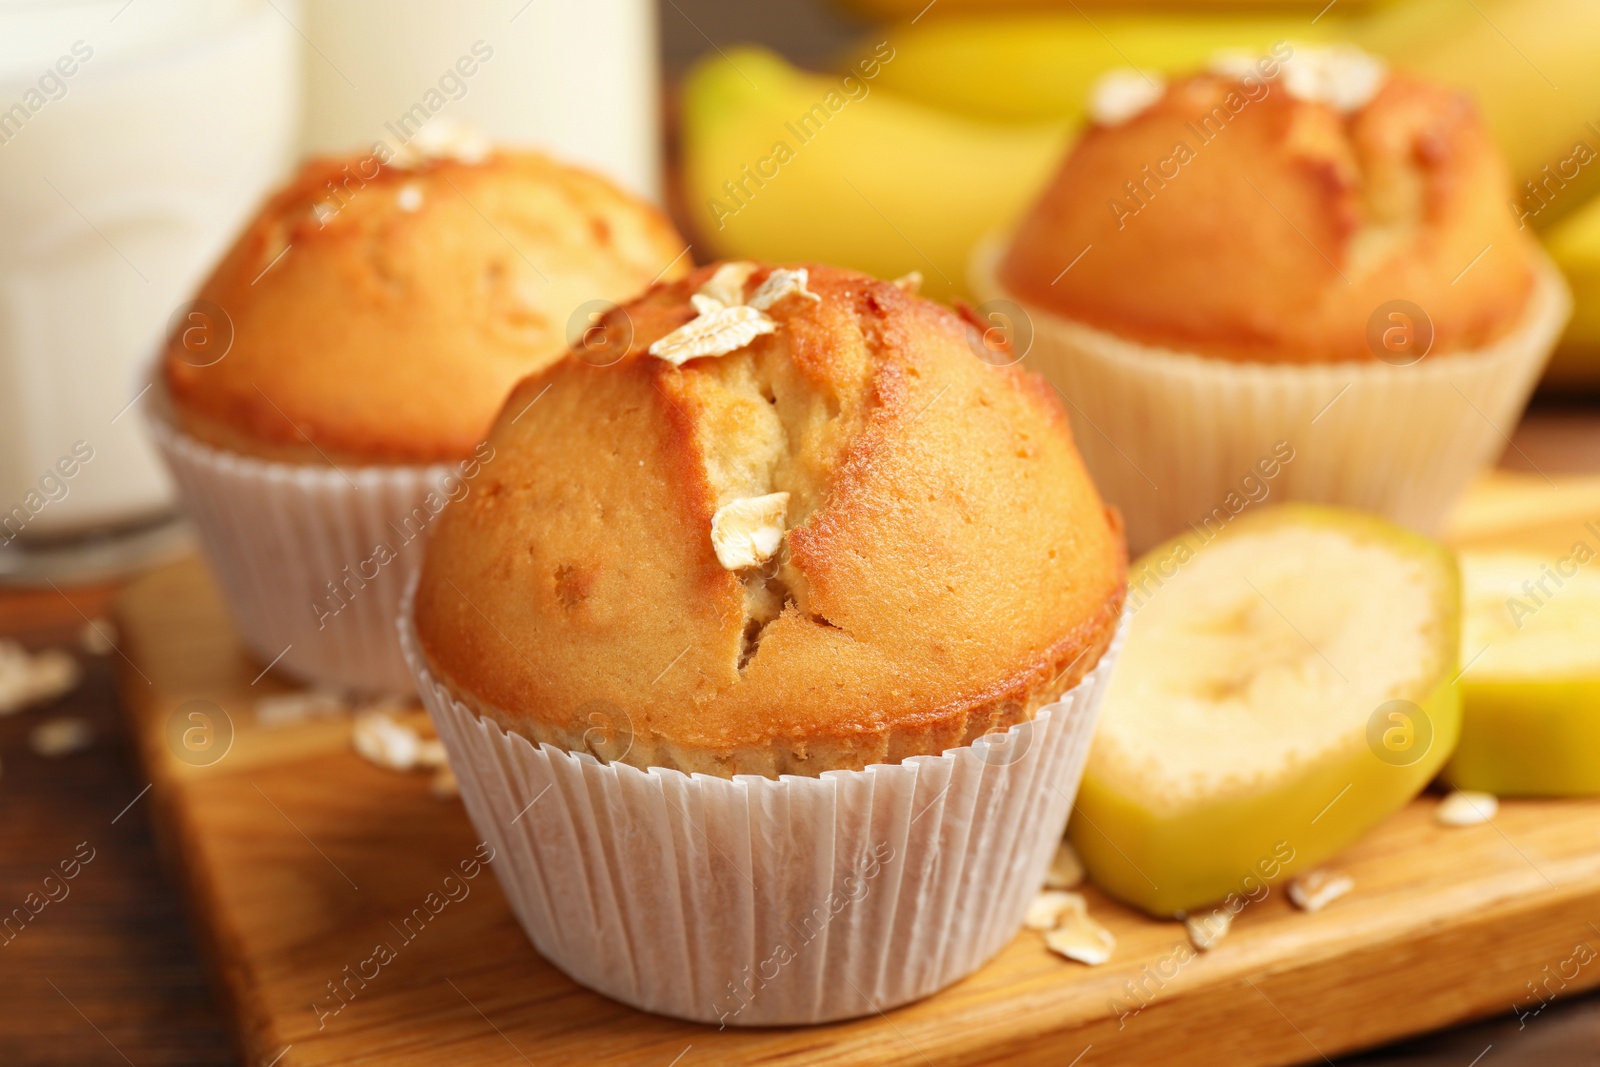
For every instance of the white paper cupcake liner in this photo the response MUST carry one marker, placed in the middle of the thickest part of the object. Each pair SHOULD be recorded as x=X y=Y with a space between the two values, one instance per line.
x=284 y=540
x=754 y=901
x=1171 y=438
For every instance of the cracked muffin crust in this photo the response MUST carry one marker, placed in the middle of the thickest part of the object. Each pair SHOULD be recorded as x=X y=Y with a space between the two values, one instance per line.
x=1237 y=220
x=382 y=311
x=944 y=568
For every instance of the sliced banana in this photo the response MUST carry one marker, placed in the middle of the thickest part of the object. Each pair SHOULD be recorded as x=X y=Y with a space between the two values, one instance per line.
x=1283 y=687
x=1531 y=689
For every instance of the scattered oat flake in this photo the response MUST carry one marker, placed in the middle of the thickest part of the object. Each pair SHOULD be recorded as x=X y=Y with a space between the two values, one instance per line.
x=1066 y=870
x=1315 y=890
x=281 y=709
x=1047 y=908
x=911 y=283
x=383 y=735
x=410 y=198
x=444 y=784
x=726 y=285
x=383 y=740
x=98 y=637
x=716 y=331
x=1206 y=930
x=1466 y=808
x=61 y=736
x=782 y=283
x=54 y=673
x=430 y=753
x=1080 y=938
x=395 y=709
x=747 y=531
x=28 y=678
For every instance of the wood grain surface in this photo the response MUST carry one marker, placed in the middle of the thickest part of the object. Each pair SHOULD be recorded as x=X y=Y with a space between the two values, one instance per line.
x=300 y=858
x=109 y=973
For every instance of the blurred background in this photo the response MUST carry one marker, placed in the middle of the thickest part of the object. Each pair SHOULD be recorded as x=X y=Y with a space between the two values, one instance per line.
x=136 y=134
x=890 y=136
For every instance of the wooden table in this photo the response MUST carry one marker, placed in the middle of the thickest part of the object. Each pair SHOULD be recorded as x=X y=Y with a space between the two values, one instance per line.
x=111 y=974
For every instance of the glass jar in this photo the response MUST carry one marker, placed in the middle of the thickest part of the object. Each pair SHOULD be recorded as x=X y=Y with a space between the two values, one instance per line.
x=135 y=138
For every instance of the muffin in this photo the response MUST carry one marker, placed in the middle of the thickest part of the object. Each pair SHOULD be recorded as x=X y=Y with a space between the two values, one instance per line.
x=1303 y=263
x=324 y=395
x=799 y=576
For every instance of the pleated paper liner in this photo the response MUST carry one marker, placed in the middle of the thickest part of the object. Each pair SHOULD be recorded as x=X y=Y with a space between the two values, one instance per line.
x=1175 y=439
x=312 y=561
x=753 y=901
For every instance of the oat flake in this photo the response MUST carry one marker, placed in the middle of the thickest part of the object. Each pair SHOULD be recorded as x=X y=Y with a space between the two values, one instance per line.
x=717 y=331
x=782 y=283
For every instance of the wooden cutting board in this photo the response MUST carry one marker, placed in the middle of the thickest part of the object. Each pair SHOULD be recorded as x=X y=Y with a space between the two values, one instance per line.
x=299 y=858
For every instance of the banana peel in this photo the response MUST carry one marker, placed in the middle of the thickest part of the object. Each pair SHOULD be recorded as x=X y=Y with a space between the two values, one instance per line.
x=911 y=9
x=1037 y=66
x=787 y=166
x=1284 y=687
x=1531 y=738
x=1575 y=245
x=1168 y=865
x=1531 y=639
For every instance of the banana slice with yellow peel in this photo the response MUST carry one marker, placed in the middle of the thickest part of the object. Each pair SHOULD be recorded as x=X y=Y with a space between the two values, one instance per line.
x=1531 y=690
x=1287 y=682
x=1574 y=243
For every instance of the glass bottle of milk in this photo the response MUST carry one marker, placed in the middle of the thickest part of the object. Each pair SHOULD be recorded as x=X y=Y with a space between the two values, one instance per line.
x=576 y=79
x=135 y=138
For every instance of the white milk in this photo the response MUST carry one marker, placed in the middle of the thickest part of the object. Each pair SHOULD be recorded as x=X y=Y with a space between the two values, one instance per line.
x=119 y=185
x=577 y=78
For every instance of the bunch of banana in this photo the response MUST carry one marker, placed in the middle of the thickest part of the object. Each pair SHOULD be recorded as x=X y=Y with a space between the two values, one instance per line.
x=933 y=128
x=1041 y=65
x=1529 y=64
x=783 y=165
x=1283 y=687
x=911 y=9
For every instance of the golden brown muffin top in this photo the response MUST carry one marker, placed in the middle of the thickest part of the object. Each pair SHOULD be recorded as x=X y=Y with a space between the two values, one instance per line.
x=1238 y=219
x=381 y=313
x=947 y=566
